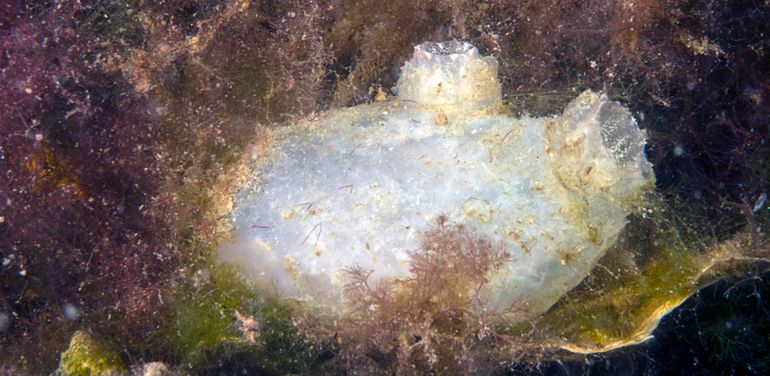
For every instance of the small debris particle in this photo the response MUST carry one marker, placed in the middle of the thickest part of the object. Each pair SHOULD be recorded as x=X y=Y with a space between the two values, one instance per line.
x=381 y=96
x=440 y=118
x=70 y=311
x=761 y=200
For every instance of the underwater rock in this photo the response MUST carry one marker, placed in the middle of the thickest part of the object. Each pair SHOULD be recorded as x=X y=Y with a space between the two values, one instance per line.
x=357 y=186
x=86 y=356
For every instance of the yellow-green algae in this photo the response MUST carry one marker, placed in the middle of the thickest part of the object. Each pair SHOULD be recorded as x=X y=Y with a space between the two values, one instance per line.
x=657 y=265
x=204 y=330
x=88 y=356
x=204 y=317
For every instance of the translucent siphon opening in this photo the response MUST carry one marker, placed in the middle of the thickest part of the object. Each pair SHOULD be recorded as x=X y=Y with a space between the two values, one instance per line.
x=446 y=48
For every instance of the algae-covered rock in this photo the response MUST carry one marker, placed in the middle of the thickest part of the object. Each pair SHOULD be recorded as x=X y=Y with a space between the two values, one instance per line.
x=87 y=355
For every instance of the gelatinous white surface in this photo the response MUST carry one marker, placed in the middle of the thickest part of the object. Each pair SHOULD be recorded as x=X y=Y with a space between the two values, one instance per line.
x=452 y=75
x=357 y=186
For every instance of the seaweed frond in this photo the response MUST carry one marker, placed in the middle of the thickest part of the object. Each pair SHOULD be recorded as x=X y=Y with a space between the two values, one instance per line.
x=421 y=323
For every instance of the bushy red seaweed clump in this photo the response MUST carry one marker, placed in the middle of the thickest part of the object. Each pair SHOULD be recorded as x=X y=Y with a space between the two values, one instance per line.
x=432 y=321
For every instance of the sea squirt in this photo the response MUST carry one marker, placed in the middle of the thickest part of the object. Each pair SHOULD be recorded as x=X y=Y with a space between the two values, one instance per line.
x=357 y=186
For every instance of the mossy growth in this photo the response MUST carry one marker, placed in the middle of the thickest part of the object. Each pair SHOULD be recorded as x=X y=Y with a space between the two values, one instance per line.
x=118 y=22
x=284 y=349
x=245 y=90
x=205 y=333
x=87 y=356
x=204 y=312
x=280 y=348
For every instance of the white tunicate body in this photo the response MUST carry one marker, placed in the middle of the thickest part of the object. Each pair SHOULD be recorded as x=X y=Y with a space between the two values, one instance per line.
x=357 y=186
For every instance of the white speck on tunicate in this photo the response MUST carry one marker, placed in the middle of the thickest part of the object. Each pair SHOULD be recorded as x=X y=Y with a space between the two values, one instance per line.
x=678 y=150
x=70 y=311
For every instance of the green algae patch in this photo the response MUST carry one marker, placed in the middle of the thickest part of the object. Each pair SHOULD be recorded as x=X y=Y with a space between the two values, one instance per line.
x=283 y=348
x=222 y=317
x=204 y=317
x=88 y=356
